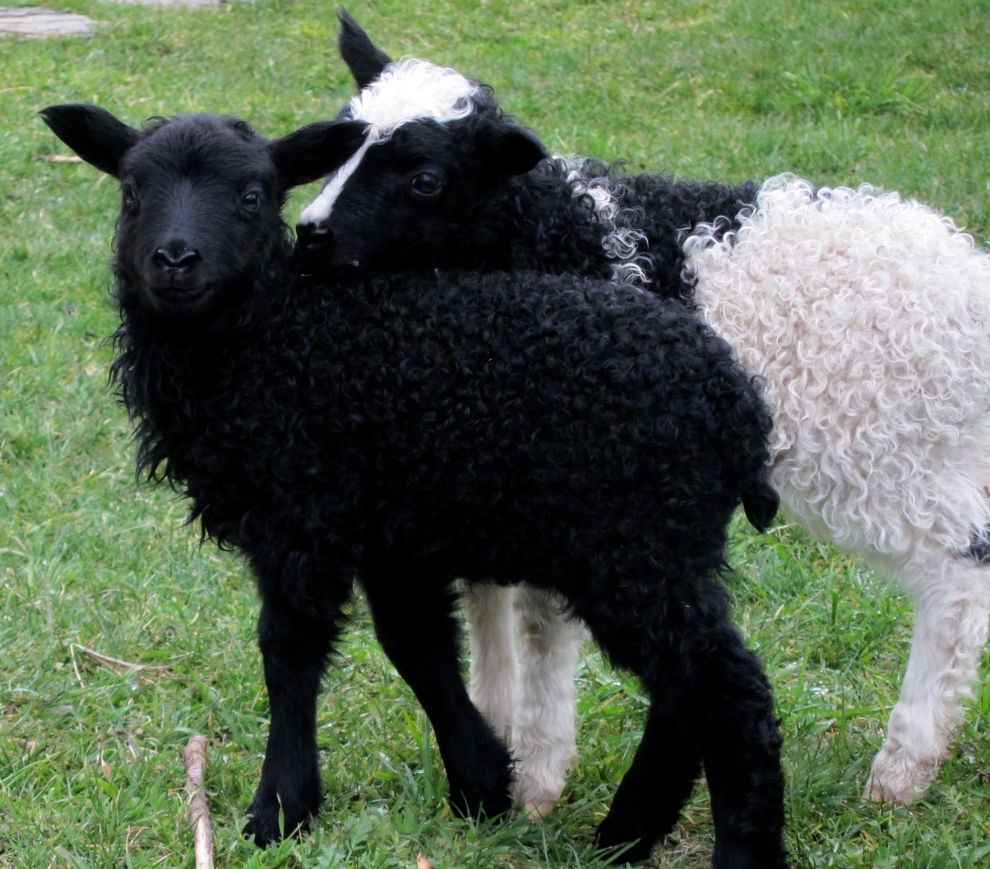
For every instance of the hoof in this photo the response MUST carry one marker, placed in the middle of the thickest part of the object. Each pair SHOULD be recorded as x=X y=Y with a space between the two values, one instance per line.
x=637 y=852
x=297 y=812
x=262 y=827
x=486 y=797
x=537 y=787
x=491 y=805
x=539 y=811
x=482 y=788
x=897 y=777
x=615 y=834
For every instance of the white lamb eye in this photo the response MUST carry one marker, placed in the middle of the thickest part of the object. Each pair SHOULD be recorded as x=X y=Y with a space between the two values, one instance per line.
x=252 y=201
x=427 y=184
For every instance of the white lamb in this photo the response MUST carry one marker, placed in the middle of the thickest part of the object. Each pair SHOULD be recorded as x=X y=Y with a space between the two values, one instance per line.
x=869 y=318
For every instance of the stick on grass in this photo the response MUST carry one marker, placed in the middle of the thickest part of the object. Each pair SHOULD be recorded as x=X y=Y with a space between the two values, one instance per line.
x=144 y=672
x=119 y=664
x=199 y=812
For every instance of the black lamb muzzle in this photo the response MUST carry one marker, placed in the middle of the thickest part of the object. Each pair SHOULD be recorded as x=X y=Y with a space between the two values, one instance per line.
x=174 y=266
x=329 y=248
x=176 y=273
x=314 y=238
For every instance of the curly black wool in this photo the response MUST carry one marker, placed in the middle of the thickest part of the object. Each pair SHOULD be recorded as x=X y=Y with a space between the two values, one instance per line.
x=575 y=435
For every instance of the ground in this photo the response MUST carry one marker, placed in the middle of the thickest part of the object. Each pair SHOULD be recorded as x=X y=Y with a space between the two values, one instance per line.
x=90 y=757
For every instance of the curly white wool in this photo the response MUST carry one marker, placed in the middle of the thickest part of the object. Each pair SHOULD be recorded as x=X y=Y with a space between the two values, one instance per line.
x=869 y=318
x=412 y=90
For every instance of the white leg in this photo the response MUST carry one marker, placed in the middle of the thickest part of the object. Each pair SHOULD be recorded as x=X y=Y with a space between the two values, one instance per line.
x=494 y=667
x=544 y=724
x=953 y=604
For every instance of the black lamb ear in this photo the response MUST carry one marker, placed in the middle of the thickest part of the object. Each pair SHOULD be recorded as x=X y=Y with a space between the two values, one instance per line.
x=93 y=133
x=363 y=59
x=509 y=149
x=316 y=150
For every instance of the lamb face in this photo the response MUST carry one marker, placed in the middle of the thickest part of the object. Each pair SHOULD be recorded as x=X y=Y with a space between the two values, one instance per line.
x=437 y=148
x=200 y=197
x=412 y=201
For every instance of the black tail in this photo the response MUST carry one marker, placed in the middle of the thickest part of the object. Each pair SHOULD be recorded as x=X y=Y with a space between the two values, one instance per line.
x=760 y=500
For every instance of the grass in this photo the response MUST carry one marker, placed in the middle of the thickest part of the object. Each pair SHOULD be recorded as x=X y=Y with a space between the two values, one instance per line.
x=90 y=758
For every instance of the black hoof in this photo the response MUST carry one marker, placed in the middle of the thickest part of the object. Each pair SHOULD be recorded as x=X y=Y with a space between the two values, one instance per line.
x=614 y=836
x=485 y=797
x=262 y=826
x=263 y=815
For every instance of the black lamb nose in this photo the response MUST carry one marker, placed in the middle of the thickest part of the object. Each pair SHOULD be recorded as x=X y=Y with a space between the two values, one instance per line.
x=314 y=236
x=176 y=259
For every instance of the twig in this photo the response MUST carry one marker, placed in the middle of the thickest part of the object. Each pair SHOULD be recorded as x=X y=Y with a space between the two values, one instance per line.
x=119 y=664
x=199 y=811
x=75 y=666
x=59 y=158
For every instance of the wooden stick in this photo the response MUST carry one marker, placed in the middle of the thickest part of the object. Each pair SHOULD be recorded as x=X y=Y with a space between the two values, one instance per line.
x=199 y=811
x=119 y=663
x=75 y=666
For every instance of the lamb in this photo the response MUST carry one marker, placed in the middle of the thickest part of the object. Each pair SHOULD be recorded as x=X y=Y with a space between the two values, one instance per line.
x=408 y=429
x=866 y=316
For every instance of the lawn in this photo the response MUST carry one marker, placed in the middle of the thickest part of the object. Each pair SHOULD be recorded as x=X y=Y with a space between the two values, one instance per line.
x=838 y=91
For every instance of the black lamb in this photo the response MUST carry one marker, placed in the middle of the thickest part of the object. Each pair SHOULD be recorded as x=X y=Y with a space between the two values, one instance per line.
x=408 y=430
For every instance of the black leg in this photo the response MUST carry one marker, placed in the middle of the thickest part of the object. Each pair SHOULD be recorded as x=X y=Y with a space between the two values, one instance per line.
x=295 y=649
x=652 y=793
x=741 y=750
x=418 y=632
x=711 y=701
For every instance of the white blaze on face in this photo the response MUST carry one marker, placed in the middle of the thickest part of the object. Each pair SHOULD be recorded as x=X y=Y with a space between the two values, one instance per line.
x=410 y=90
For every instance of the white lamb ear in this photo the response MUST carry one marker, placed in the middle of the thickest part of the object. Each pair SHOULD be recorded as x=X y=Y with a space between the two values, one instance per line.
x=316 y=150
x=509 y=149
x=93 y=133
x=363 y=58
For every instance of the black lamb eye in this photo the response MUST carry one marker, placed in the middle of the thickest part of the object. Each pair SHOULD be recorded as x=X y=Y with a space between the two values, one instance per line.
x=127 y=192
x=252 y=201
x=427 y=184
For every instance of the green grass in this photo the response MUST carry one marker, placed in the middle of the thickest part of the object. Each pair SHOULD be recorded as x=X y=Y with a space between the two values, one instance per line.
x=90 y=759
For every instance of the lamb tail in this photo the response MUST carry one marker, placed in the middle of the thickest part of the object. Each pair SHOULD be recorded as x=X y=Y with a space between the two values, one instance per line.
x=760 y=500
